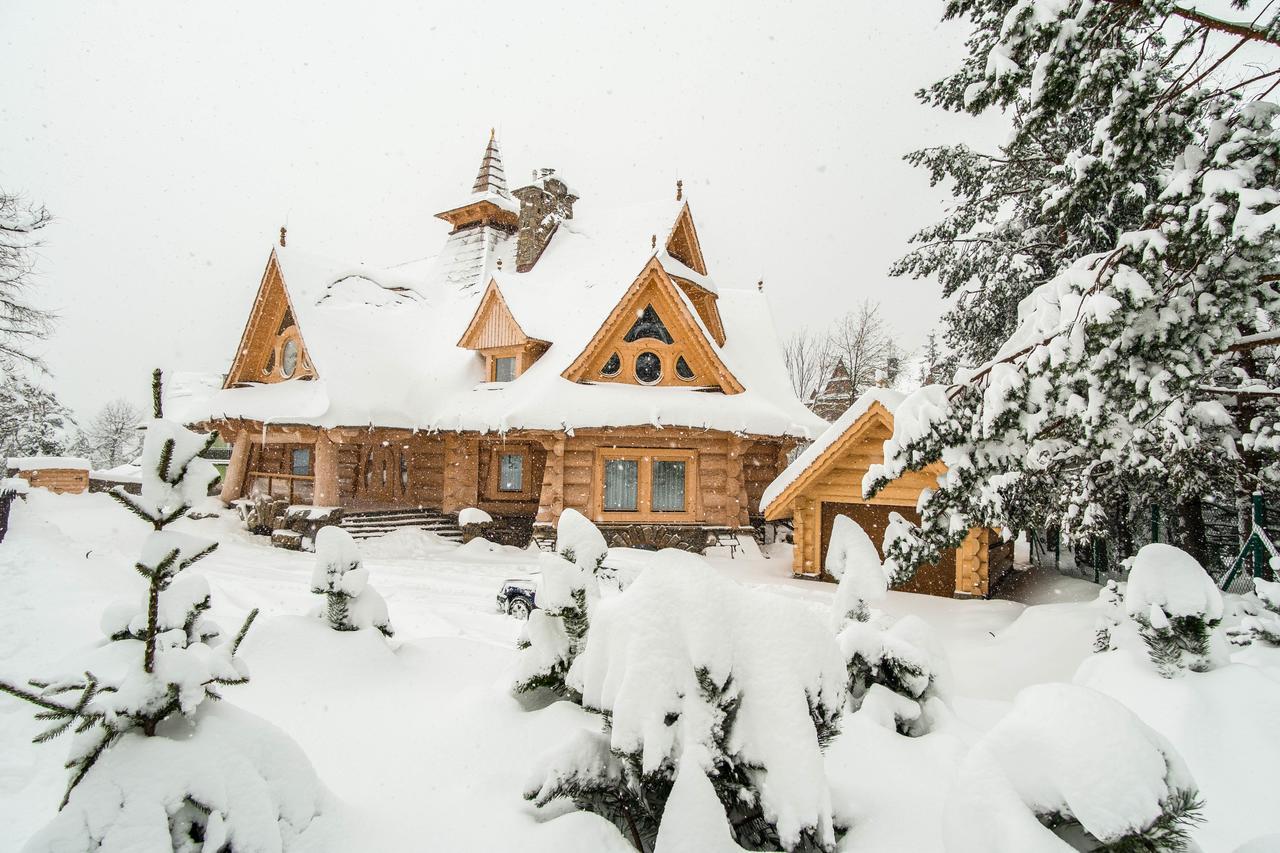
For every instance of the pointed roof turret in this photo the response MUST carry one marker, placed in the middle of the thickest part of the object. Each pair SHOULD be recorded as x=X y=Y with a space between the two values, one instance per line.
x=489 y=203
x=491 y=177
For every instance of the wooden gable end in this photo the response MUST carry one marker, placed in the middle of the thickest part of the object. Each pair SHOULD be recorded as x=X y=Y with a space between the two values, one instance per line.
x=836 y=475
x=704 y=302
x=493 y=325
x=683 y=243
x=271 y=345
x=609 y=357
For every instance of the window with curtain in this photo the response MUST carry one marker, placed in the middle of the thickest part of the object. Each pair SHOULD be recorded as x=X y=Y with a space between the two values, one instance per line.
x=511 y=472
x=621 y=485
x=668 y=486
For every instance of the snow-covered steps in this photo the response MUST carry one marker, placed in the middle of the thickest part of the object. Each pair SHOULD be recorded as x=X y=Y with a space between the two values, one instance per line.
x=370 y=523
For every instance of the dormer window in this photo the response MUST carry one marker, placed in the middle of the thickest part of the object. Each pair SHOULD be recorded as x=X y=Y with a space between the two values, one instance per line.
x=504 y=368
x=612 y=367
x=648 y=368
x=289 y=358
x=648 y=325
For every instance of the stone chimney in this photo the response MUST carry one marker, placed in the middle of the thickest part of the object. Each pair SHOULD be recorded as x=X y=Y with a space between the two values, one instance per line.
x=544 y=204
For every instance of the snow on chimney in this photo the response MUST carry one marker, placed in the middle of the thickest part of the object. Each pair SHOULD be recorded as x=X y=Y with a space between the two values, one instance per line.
x=544 y=204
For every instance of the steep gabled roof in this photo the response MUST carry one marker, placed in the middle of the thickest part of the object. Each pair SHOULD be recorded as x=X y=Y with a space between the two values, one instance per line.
x=682 y=316
x=493 y=324
x=272 y=308
x=874 y=405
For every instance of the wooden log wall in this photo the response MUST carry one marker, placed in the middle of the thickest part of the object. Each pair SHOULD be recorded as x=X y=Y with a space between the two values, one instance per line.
x=60 y=481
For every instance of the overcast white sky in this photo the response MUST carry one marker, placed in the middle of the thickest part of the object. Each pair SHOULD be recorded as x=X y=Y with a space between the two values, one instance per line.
x=172 y=140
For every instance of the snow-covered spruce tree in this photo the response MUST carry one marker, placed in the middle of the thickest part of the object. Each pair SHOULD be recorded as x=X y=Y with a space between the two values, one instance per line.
x=1069 y=768
x=682 y=659
x=1131 y=218
x=693 y=820
x=340 y=576
x=556 y=631
x=153 y=765
x=900 y=657
x=1110 y=605
x=1176 y=606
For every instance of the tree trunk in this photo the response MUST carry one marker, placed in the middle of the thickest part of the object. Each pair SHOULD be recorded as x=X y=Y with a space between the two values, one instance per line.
x=1191 y=530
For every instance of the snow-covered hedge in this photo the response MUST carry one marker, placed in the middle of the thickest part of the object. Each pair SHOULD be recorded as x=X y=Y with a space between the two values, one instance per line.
x=1070 y=769
x=684 y=657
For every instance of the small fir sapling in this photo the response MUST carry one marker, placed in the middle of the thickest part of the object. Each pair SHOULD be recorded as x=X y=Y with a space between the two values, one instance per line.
x=556 y=631
x=684 y=658
x=1176 y=606
x=1036 y=780
x=340 y=576
x=899 y=658
x=170 y=659
x=1110 y=604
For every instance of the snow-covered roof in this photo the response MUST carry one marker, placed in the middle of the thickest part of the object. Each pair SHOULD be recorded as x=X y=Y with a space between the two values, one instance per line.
x=39 y=463
x=383 y=342
x=886 y=397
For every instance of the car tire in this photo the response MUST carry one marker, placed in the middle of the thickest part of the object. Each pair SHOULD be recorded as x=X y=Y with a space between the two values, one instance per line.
x=519 y=608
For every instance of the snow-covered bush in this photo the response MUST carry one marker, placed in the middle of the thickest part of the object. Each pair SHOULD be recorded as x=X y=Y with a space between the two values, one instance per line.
x=686 y=658
x=152 y=767
x=1110 y=606
x=852 y=560
x=471 y=515
x=1071 y=769
x=1263 y=626
x=901 y=538
x=340 y=576
x=900 y=658
x=556 y=630
x=1176 y=606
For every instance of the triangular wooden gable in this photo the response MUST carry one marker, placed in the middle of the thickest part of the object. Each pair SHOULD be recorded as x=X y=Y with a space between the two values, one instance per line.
x=272 y=315
x=653 y=287
x=493 y=324
x=876 y=413
x=683 y=243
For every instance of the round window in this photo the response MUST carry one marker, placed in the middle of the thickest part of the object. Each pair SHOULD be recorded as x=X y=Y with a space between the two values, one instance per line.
x=612 y=367
x=289 y=357
x=683 y=370
x=648 y=368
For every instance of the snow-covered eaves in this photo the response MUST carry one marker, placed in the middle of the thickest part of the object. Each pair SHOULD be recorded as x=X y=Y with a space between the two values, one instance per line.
x=43 y=463
x=815 y=453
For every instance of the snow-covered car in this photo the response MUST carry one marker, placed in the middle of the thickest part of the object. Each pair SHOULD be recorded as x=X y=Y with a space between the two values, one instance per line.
x=517 y=597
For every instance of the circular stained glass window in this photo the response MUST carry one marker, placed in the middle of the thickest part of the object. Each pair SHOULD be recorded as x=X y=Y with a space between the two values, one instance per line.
x=683 y=370
x=289 y=357
x=612 y=367
x=648 y=368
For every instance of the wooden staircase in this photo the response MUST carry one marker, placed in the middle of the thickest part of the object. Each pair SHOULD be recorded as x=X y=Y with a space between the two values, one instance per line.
x=377 y=522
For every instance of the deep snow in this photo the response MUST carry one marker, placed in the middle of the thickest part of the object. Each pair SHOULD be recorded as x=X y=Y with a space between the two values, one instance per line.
x=424 y=748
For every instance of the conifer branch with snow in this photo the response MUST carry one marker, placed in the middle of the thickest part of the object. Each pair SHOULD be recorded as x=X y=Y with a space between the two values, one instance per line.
x=340 y=576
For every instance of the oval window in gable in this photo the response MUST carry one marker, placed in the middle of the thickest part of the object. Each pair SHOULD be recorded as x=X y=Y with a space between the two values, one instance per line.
x=612 y=367
x=683 y=370
x=289 y=357
x=648 y=368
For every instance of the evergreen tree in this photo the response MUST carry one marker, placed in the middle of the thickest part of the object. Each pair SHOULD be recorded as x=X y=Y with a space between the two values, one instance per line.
x=1262 y=625
x=1176 y=607
x=1130 y=218
x=340 y=576
x=178 y=658
x=32 y=420
x=556 y=631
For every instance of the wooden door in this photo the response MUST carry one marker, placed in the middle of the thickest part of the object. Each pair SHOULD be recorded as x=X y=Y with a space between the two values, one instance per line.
x=382 y=476
x=937 y=579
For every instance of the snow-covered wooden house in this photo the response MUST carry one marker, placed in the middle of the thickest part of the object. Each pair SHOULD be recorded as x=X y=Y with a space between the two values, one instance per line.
x=559 y=352
x=825 y=481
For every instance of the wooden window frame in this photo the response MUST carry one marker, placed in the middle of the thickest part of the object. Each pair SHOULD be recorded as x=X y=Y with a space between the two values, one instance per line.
x=645 y=456
x=491 y=356
x=529 y=490
x=254 y=469
x=302 y=370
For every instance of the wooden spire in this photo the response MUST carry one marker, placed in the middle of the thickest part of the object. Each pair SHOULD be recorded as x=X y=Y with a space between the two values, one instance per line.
x=491 y=178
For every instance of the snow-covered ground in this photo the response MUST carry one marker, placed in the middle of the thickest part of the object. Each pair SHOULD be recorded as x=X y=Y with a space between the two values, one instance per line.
x=424 y=748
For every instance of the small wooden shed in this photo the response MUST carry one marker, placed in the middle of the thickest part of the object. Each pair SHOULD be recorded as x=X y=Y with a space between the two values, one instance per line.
x=826 y=481
x=58 y=474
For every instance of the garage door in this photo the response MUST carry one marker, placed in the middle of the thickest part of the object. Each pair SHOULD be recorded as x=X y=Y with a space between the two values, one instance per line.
x=937 y=579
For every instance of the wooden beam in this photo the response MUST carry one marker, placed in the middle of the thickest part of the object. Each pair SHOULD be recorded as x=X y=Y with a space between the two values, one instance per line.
x=233 y=480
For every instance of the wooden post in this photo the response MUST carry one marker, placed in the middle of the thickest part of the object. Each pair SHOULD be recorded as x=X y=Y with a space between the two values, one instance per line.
x=326 y=471
x=551 y=498
x=233 y=481
x=807 y=534
x=971 y=565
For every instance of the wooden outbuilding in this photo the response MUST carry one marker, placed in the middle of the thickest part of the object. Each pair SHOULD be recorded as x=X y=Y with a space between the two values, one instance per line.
x=57 y=474
x=826 y=481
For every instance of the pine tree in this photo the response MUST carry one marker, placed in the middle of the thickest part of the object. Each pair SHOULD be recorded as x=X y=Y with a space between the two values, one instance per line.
x=1176 y=607
x=179 y=659
x=33 y=422
x=556 y=631
x=1130 y=220
x=340 y=576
